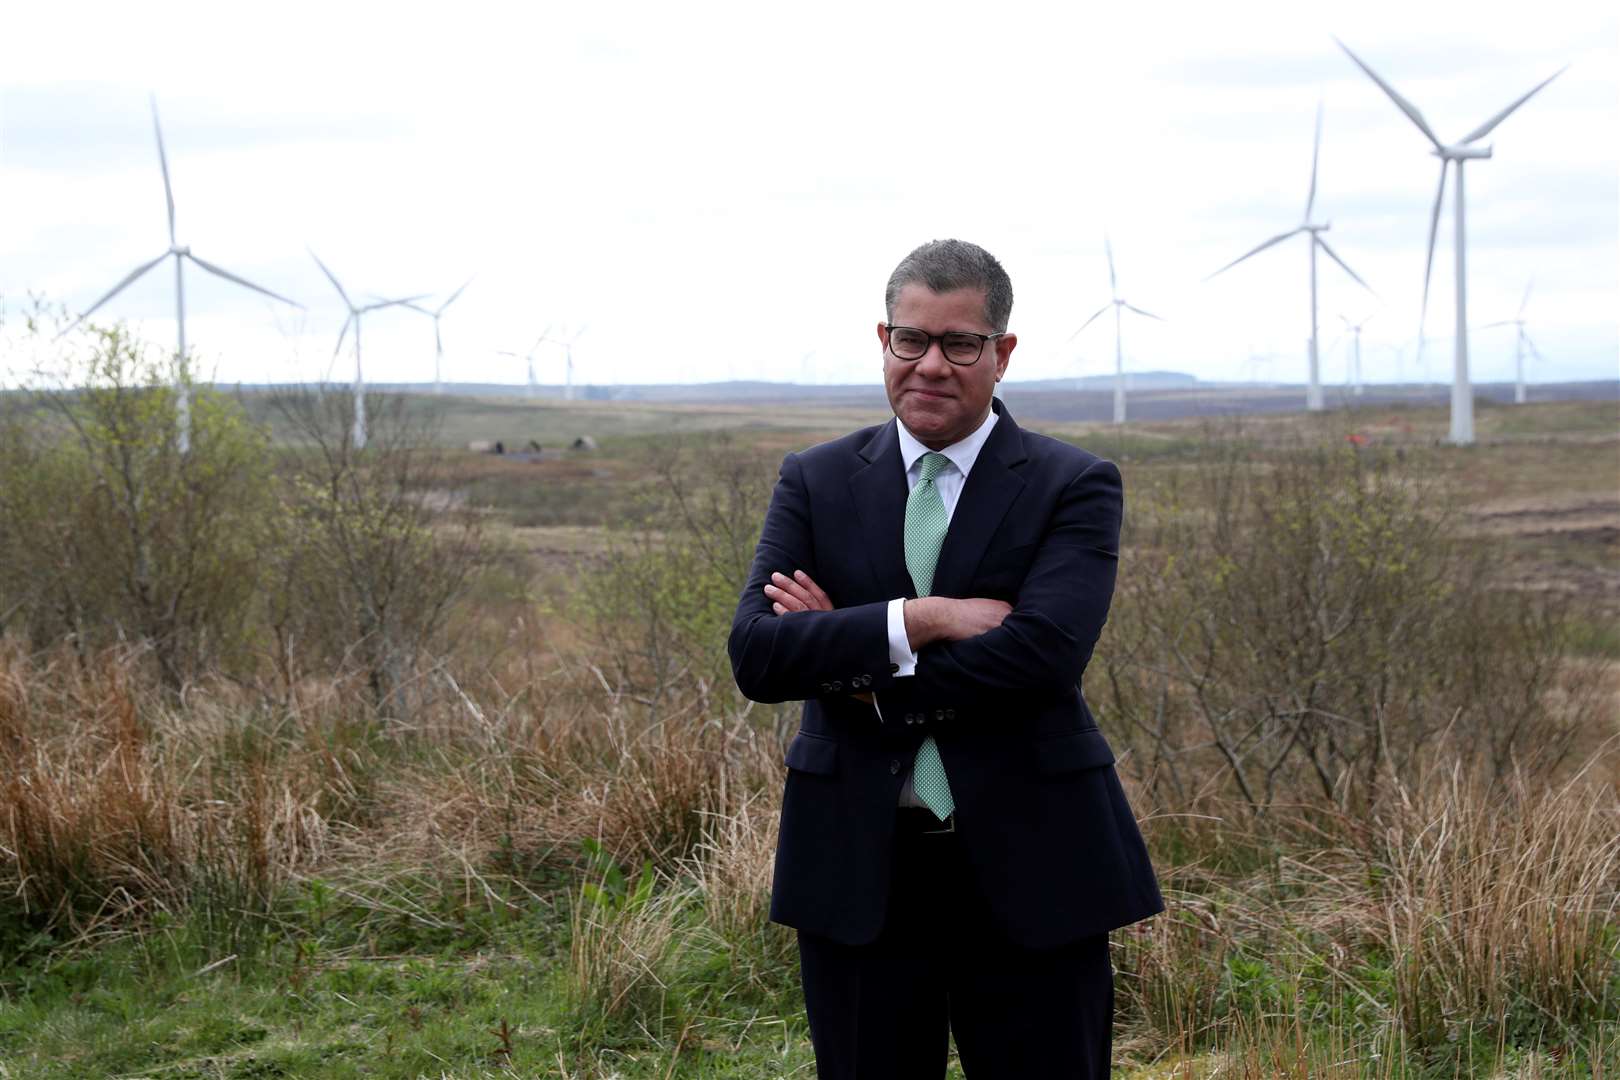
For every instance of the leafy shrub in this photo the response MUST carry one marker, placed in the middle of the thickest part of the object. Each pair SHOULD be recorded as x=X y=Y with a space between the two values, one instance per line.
x=1309 y=622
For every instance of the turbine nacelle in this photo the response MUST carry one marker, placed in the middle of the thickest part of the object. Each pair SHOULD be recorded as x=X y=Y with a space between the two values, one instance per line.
x=1462 y=152
x=179 y=249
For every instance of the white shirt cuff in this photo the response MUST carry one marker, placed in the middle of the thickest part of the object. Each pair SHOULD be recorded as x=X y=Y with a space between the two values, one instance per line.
x=900 y=654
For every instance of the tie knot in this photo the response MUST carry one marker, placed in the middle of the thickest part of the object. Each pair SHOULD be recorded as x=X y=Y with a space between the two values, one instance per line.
x=933 y=464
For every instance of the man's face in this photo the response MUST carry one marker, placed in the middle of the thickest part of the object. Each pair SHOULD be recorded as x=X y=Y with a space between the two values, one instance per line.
x=938 y=401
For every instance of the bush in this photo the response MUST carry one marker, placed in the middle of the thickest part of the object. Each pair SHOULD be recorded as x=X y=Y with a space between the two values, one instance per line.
x=1307 y=623
x=367 y=553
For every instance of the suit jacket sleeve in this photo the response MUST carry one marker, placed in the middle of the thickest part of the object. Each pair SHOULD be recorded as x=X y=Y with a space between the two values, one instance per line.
x=1044 y=644
x=808 y=653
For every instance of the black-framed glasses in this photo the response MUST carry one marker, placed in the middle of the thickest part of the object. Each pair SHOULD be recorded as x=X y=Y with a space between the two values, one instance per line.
x=958 y=346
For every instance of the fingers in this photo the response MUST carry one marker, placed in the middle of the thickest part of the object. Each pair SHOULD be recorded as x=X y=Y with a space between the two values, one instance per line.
x=818 y=598
x=797 y=593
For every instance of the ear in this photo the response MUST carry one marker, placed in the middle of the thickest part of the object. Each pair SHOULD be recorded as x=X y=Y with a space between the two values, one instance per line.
x=1004 y=348
x=883 y=334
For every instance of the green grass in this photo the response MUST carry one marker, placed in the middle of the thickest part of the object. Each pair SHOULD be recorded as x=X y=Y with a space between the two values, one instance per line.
x=326 y=994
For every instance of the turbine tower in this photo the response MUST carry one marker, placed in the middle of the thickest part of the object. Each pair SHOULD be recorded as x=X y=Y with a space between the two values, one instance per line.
x=1520 y=345
x=568 y=342
x=180 y=253
x=1118 y=304
x=354 y=318
x=528 y=358
x=438 y=341
x=1357 y=388
x=1314 y=230
x=1462 y=398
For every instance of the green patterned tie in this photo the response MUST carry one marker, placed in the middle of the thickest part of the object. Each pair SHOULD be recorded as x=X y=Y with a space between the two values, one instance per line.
x=926 y=523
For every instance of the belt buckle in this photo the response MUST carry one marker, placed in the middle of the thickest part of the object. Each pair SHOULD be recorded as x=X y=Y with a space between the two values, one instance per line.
x=946 y=826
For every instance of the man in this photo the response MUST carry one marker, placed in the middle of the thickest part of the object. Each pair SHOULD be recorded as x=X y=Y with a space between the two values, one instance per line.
x=955 y=844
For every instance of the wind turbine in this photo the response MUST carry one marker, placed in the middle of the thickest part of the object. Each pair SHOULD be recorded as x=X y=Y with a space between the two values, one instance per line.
x=438 y=341
x=354 y=319
x=568 y=344
x=1313 y=392
x=1462 y=398
x=1118 y=305
x=1354 y=330
x=181 y=253
x=1520 y=344
x=528 y=358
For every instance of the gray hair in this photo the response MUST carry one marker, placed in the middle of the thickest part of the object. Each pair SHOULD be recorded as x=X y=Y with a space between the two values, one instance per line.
x=947 y=265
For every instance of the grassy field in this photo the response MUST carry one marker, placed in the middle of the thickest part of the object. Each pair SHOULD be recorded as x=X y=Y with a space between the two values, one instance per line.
x=548 y=854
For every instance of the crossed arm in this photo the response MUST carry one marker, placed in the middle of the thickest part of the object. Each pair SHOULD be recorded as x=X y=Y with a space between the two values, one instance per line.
x=928 y=618
x=967 y=648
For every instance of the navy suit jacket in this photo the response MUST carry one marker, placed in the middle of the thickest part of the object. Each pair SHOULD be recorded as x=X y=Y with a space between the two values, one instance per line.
x=1040 y=811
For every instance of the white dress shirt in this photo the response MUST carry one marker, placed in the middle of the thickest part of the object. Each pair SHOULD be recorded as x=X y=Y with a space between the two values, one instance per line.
x=949 y=484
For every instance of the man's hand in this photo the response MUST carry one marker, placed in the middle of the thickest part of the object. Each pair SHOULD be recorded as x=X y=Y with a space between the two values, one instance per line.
x=796 y=593
x=941 y=618
x=800 y=593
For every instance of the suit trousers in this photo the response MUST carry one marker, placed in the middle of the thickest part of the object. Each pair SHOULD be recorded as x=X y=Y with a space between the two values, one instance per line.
x=886 y=1010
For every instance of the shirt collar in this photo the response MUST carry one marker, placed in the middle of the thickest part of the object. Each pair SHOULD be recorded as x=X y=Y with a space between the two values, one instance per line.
x=962 y=453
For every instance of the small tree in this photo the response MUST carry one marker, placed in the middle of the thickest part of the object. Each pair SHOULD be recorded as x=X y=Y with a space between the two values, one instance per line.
x=366 y=565
x=110 y=533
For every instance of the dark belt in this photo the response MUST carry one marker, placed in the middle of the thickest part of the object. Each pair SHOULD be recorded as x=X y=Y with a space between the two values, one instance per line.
x=920 y=821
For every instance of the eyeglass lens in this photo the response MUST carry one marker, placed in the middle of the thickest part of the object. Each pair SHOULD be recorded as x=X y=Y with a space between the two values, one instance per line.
x=910 y=344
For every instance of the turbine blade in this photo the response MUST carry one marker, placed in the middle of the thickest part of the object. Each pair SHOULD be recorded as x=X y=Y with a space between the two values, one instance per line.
x=1323 y=244
x=1486 y=128
x=1113 y=287
x=453 y=295
x=1139 y=311
x=1316 y=154
x=1279 y=238
x=1526 y=301
x=1405 y=106
x=163 y=160
x=228 y=276
x=333 y=279
x=343 y=333
x=418 y=307
x=1533 y=348
x=1494 y=325
x=114 y=291
x=1428 y=263
x=438 y=342
x=1089 y=321
x=402 y=301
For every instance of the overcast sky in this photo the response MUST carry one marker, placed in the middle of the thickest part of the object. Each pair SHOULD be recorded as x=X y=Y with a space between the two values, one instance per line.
x=718 y=190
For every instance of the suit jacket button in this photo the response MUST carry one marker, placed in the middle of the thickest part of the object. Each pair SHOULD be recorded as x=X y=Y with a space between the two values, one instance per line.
x=894 y=767
x=837 y=686
x=950 y=714
x=939 y=714
x=893 y=668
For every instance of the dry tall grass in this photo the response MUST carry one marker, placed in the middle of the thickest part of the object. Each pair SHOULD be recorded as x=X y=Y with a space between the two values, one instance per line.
x=1499 y=897
x=102 y=816
x=1468 y=907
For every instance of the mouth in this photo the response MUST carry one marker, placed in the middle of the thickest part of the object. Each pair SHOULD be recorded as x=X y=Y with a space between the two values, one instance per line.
x=939 y=395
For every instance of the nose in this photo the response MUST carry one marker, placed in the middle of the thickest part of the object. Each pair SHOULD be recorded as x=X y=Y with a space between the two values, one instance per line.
x=932 y=364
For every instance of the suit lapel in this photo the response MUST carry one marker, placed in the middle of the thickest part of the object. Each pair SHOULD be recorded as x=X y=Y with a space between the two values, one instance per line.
x=990 y=491
x=879 y=493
